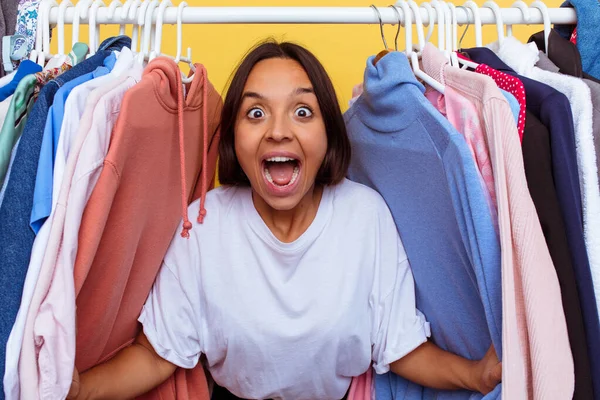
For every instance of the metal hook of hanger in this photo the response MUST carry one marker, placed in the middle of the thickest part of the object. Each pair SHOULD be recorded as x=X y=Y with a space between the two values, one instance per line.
x=380 y=25
x=408 y=48
x=399 y=25
x=467 y=28
x=476 y=21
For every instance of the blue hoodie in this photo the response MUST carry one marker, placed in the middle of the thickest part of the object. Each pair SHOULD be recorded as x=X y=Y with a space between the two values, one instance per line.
x=407 y=151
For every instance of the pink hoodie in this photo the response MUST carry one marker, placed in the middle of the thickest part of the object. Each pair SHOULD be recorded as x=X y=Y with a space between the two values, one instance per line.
x=162 y=156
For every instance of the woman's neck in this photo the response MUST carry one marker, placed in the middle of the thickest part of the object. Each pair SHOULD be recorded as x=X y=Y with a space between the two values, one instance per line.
x=289 y=225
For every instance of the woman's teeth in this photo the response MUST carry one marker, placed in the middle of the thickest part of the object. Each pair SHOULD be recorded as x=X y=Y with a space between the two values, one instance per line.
x=291 y=182
x=280 y=159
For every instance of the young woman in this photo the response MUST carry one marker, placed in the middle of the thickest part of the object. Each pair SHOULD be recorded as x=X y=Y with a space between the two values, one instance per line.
x=297 y=280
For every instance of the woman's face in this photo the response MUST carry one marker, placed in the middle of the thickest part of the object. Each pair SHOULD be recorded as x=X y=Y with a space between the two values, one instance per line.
x=280 y=138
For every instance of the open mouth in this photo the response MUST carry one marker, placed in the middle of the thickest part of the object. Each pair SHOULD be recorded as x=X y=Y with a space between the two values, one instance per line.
x=281 y=171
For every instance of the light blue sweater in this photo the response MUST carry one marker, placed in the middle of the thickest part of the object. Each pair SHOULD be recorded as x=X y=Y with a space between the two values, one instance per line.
x=406 y=150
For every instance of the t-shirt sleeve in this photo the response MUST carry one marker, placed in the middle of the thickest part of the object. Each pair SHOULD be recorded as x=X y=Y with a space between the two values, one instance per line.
x=398 y=326
x=171 y=317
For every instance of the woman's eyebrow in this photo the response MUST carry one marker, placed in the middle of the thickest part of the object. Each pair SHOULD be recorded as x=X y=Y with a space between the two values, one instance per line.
x=253 y=95
x=303 y=90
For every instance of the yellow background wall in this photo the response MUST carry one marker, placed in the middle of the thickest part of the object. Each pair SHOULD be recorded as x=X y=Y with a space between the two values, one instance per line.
x=343 y=49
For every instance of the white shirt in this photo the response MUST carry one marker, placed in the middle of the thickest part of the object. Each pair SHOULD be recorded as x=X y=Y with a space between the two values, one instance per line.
x=522 y=59
x=287 y=320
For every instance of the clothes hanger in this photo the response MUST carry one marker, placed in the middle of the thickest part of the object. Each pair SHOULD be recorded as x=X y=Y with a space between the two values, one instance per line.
x=471 y=5
x=178 y=57
x=385 y=50
x=408 y=47
x=156 y=50
x=60 y=58
x=448 y=32
x=462 y=61
x=410 y=53
x=148 y=28
x=521 y=5
x=397 y=32
x=112 y=8
x=94 y=27
x=141 y=19
x=419 y=23
x=78 y=49
x=498 y=16
x=431 y=25
x=454 y=25
x=546 y=18
x=133 y=12
x=441 y=19
x=62 y=10
x=44 y=32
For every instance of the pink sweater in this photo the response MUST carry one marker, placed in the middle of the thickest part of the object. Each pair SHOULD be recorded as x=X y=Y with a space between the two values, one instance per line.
x=162 y=156
x=537 y=360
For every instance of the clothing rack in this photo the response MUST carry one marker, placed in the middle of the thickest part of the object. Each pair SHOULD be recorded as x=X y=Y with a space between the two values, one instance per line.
x=313 y=15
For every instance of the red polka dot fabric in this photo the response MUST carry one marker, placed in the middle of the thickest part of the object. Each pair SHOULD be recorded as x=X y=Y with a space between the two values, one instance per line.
x=512 y=85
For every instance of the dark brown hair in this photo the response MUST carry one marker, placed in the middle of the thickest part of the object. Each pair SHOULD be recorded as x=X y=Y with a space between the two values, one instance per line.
x=335 y=165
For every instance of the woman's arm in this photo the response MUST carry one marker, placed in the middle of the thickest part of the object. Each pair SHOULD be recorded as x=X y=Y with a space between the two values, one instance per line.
x=430 y=366
x=133 y=372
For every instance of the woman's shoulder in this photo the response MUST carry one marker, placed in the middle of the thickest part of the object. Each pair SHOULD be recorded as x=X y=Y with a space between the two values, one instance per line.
x=356 y=196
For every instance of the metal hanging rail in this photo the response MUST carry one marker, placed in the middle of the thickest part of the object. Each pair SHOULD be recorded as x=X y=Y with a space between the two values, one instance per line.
x=316 y=15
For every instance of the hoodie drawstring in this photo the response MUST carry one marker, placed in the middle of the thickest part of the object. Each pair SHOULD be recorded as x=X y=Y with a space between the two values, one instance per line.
x=202 y=212
x=187 y=225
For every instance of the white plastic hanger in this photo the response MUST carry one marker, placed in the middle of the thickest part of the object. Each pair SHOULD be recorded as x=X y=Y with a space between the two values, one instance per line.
x=520 y=4
x=178 y=57
x=148 y=26
x=156 y=50
x=80 y=12
x=62 y=10
x=471 y=5
x=133 y=16
x=419 y=23
x=441 y=19
x=94 y=28
x=498 y=16
x=112 y=8
x=411 y=54
x=43 y=33
x=60 y=58
x=454 y=25
x=431 y=24
x=448 y=32
x=546 y=18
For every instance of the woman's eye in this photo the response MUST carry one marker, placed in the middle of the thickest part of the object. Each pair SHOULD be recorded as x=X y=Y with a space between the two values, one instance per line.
x=255 y=113
x=303 y=112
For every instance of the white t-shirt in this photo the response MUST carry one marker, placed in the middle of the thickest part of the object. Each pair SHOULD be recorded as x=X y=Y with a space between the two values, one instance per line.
x=287 y=320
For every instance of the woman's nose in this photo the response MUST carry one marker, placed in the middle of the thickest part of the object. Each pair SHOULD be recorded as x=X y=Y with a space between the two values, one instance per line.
x=280 y=129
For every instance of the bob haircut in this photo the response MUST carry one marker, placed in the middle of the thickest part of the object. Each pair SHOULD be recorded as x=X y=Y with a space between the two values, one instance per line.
x=336 y=161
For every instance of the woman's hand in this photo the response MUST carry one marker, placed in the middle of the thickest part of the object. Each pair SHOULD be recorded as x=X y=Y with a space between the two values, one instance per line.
x=430 y=366
x=487 y=372
x=75 y=386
